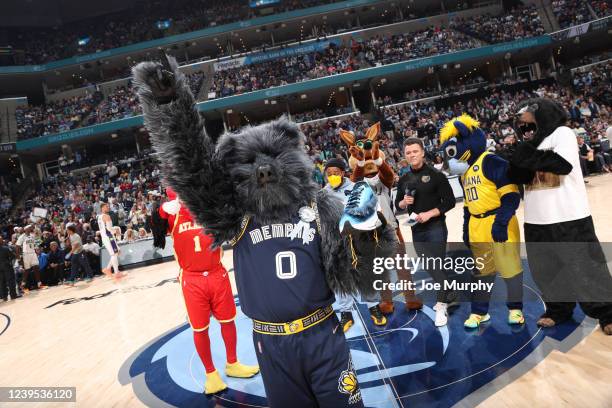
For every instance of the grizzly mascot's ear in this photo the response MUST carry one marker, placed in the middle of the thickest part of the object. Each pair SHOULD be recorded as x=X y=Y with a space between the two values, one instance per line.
x=226 y=146
x=288 y=130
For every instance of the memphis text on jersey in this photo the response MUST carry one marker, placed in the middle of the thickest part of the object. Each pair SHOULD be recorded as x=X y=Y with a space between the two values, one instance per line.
x=272 y=231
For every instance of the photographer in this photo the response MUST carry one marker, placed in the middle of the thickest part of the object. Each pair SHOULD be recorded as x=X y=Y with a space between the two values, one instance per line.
x=427 y=193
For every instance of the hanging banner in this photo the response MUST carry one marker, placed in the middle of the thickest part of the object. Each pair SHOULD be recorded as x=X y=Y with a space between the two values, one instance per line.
x=229 y=64
x=8 y=147
x=315 y=46
x=575 y=31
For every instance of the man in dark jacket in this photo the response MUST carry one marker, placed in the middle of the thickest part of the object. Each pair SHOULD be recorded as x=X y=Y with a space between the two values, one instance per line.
x=426 y=193
x=7 y=273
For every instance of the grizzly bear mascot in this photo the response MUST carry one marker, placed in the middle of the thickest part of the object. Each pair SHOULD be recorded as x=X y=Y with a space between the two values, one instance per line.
x=254 y=190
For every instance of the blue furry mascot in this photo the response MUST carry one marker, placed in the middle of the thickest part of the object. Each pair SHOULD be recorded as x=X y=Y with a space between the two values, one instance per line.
x=254 y=189
x=490 y=228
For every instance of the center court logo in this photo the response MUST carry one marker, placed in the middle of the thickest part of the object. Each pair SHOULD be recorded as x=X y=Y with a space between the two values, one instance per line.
x=408 y=363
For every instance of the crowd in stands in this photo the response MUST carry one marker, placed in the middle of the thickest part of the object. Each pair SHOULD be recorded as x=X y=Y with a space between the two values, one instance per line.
x=90 y=109
x=195 y=82
x=137 y=24
x=411 y=95
x=382 y=50
x=142 y=23
x=122 y=103
x=493 y=107
x=309 y=115
x=595 y=82
x=130 y=186
x=601 y=7
x=54 y=117
x=6 y=202
x=79 y=111
x=571 y=12
x=589 y=59
x=335 y=59
x=67 y=114
x=516 y=24
x=461 y=86
x=574 y=12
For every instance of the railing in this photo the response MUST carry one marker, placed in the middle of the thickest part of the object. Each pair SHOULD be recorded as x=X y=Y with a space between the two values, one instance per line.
x=584 y=28
x=586 y=67
x=185 y=37
x=338 y=38
x=342 y=115
x=329 y=81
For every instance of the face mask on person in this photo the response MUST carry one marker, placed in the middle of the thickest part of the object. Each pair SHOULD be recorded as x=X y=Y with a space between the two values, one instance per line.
x=334 y=181
x=373 y=181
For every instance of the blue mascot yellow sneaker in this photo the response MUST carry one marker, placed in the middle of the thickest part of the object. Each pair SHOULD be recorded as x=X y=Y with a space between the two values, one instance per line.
x=515 y=316
x=475 y=320
x=361 y=212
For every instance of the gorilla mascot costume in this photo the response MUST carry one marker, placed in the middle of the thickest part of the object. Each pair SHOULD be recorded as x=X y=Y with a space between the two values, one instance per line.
x=564 y=254
x=254 y=189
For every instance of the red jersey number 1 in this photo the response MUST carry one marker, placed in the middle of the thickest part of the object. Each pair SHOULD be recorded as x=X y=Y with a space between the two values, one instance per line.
x=196 y=242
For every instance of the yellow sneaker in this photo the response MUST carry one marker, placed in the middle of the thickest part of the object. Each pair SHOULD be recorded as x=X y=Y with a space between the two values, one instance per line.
x=346 y=321
x=214 y=383
x=377 y=317
x=240 y=370
x=515 y=316
x=474 y=320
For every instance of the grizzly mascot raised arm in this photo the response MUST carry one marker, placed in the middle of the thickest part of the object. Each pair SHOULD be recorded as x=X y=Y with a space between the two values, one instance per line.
x=254 y=189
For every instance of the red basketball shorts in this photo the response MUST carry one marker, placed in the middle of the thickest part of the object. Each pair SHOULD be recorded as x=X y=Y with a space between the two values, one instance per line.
x=207 y=293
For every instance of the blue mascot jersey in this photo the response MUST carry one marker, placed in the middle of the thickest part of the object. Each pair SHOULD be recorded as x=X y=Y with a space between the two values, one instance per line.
x=280 y=279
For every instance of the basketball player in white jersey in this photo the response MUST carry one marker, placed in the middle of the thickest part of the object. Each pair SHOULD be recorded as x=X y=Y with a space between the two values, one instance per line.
x=105 y=224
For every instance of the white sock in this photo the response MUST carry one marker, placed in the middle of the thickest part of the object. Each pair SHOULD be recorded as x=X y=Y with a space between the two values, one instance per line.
x=114 y=263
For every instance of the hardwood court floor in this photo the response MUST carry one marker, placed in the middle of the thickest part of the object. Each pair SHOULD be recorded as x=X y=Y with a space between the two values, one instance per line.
x=82 y=336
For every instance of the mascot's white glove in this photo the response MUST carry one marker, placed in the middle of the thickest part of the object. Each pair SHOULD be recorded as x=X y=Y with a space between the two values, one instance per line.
x=171 y=207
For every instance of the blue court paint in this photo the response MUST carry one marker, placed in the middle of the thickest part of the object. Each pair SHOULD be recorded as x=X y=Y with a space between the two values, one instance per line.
x=409 y=362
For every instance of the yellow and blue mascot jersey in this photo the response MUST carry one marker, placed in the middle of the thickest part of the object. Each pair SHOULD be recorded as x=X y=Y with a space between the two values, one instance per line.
x=490 y=198
x=482 y=197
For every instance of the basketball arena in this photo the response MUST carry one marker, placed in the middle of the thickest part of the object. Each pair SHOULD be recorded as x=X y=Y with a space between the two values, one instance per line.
x=232 y=203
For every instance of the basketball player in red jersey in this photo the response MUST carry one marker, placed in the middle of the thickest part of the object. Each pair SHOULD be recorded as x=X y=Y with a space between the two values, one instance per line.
x=206 y=289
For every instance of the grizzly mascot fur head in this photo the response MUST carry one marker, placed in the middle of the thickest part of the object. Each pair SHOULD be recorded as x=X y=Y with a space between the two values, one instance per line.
x=269 y=168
